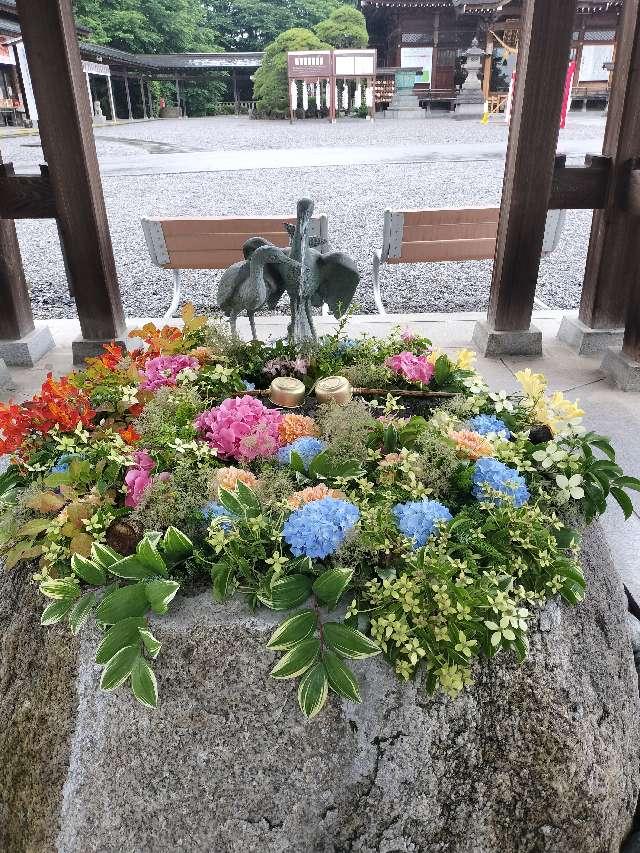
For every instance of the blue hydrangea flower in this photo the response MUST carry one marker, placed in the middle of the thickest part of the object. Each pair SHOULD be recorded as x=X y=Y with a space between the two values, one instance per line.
x=249 y=386
x=62 y=465
x=346 y=344
x=319 y=528
x=490 y=475
x=213 y=510
x=307 y=448
x=418 y=519
x=484 y=424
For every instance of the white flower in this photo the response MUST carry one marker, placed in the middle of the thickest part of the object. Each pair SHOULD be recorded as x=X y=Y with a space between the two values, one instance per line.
x=475 y=384
x=569 y=487
x=187 y=375
x=550 y=455
x=129 y=395
x=502 y=402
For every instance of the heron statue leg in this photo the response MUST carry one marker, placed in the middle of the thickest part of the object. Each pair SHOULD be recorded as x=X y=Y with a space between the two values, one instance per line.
x=252 y=323
x=232 y=323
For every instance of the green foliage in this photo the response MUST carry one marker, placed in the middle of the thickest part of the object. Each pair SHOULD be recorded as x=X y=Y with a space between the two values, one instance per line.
x=169 y=415
x=346 y=428
x=122 y=609
x=177 y=500
x=270 y=86
x=344 y=28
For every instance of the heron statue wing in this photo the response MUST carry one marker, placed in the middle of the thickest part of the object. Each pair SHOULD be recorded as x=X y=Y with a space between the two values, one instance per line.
x=338 y=279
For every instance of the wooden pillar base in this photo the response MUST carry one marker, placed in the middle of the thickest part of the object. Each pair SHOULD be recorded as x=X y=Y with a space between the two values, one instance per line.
x=493 y=344
x=586 y=341
x=83 y=349
x=6 y=381
x=622 y=370
x=28 y=350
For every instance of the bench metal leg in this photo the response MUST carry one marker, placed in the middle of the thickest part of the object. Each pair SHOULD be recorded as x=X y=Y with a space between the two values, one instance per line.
x=175 y=301
x=376 y=284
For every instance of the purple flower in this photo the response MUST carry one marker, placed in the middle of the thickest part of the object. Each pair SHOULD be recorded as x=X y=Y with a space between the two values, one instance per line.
x=165 y=369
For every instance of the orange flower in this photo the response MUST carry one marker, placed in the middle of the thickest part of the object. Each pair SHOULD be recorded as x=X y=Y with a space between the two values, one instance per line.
x=313 y=493
x=293 y=427
x=228 y=478
x=129 y=435
x=203 y=354
x=389 y=460
x=471 y=445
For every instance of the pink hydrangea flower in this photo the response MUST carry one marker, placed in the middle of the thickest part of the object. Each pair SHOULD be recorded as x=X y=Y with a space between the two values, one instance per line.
x=241 y=428
x=139 y=478
x=414 y=368
x=164 y=370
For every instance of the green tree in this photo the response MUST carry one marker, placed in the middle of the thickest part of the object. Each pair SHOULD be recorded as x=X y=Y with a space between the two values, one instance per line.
x=253 y=24
x=345 y=27
x=271 y=83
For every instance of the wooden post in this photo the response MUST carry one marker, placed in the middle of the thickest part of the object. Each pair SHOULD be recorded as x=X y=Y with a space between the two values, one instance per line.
x=610 y=272
x=16 y=319
x=236 y=94
x=112 y=103
x=50 y=39
x=488 y=62
x=128 y=94
x=144 y=105
x=150 y=100
x=541 y=73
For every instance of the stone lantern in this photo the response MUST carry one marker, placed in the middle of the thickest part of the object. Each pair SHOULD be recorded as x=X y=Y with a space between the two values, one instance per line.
x=470 y=101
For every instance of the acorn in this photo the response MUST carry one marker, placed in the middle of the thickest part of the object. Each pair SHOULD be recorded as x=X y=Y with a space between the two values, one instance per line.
x=123 y=535
x=540 y=434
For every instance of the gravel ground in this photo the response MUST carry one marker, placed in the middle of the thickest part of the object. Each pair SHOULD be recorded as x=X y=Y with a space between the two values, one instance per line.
x=354 y=198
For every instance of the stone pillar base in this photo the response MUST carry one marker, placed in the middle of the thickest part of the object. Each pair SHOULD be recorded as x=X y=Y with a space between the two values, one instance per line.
x=622 y=370
x=26 y=351
x=473 y=110
x=587 y=341
x=83 y=349
x=492 y=343
x=6 y=381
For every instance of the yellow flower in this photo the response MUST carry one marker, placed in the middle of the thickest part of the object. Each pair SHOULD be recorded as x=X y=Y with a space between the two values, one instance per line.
x=434 y=355
x=564 y=411
x=533 y=384
x=466 y=359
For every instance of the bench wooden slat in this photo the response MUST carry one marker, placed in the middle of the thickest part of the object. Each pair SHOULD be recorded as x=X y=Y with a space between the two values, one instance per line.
x=446 y=250
x=220 y=242
x=202 y=260
x=451 y=216
x=457 y=231
x=181 y=226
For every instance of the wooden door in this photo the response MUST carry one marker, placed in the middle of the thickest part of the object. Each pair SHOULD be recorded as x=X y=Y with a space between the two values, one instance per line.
x=444 y=68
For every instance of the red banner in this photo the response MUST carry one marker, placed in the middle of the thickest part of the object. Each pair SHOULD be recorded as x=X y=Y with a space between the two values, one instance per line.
x=566 y=100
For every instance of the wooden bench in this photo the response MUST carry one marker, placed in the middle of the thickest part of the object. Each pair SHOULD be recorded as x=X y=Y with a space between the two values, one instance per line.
x=449 y=234
x=214 y=243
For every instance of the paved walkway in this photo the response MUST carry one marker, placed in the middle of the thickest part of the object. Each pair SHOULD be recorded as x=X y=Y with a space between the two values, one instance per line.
x=609 y=411
x=166 y=160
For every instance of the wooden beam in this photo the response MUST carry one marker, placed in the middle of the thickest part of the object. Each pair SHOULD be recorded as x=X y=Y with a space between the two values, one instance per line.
x=580 y=187
x=50 y=39
x=16 y=319
x=612 y=259
x=25 y=196
x=543 y=58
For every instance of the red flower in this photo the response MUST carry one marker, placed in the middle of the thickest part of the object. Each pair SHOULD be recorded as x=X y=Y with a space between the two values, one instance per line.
x=129 y=435
x=58 y=404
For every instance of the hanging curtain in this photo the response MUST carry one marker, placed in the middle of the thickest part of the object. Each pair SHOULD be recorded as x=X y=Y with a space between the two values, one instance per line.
x=318 y=96
x=327 y=95
x=369 y=96
x=357 y=101
x=294 y=95
x=305 y=96
x=345 y=95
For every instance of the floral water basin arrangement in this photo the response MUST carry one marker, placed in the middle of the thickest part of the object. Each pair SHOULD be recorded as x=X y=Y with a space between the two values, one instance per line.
x=425 y=520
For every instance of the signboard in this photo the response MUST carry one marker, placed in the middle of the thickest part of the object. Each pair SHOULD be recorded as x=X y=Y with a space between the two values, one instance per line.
x=7 y=56
x=312 y=64
x=96 y=68
x=594 y=57
x=355 y=63
x=418 y=57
